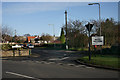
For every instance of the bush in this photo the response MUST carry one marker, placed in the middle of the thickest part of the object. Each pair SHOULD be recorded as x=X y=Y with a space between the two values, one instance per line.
x=6 y=47
x=114 y=50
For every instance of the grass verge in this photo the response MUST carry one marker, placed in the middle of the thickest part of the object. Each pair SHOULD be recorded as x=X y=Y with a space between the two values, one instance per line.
x=103 y=60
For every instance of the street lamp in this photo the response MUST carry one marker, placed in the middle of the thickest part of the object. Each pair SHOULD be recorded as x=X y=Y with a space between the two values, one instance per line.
x=53 y=31
x=99 y=14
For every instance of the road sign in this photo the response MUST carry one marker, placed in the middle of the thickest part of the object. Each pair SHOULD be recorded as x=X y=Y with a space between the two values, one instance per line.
x=89 y=26
x=97 y=40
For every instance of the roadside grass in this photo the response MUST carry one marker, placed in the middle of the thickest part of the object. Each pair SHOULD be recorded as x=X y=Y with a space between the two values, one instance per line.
x=102 y=60
x=79 y=49
x=70 y=49
x=50 y=48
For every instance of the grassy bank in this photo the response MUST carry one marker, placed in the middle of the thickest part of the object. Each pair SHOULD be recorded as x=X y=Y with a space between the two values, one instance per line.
x=79 y=49
x=103 y=60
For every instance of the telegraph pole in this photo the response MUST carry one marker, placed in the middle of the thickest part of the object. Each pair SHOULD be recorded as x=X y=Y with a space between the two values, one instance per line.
x=66 y=28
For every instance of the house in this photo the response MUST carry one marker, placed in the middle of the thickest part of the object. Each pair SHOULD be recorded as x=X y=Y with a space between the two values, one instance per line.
x=30 y=39
x=35 y=40
x=57 y=41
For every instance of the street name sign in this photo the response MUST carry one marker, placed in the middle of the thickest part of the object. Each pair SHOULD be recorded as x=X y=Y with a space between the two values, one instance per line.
x=97 y=40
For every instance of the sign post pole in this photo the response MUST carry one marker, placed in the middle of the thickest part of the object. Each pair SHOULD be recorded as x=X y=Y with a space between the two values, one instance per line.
x=89 y=27
x=29 y=52
x=89 y=46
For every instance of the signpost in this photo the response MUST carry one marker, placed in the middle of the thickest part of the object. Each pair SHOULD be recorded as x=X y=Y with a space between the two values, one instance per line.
x=89 y=27
x=29 y=51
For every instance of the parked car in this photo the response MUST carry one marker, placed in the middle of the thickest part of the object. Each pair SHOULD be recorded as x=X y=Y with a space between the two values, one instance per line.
x=21 y=45
x=30 y=46
x=24 y=46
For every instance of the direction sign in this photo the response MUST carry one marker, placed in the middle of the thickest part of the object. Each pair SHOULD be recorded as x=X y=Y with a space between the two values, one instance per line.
x=97 y=40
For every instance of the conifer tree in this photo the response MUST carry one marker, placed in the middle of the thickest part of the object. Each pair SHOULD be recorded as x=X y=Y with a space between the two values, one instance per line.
x=62 y=36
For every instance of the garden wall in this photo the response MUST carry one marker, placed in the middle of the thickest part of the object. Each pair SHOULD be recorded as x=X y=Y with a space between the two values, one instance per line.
x=17 y=53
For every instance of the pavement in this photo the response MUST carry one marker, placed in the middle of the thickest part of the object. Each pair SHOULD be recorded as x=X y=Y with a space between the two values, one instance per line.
x=51 y=64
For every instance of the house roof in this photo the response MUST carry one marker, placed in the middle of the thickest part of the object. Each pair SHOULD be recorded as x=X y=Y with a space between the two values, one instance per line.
x=30 y=37
x=57 y=41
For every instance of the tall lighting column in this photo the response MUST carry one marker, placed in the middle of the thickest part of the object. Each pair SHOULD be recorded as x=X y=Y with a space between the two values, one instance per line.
x=99 y=19
x=99 y=14
x=53 y=32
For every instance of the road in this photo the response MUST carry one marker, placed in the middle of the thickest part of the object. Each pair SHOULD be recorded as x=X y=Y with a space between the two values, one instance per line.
x=52 y=64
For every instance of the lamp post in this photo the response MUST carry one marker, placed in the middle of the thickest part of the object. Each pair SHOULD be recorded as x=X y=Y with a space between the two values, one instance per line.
x=53 y=32
x=99 y=19
x=66 y=27
x=99 y=14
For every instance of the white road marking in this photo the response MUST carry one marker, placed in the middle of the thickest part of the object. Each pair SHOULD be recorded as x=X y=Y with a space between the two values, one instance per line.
x=43 y=62
x=82 y=65
x=59 y=58
x=54 y=59
x=51 y=62
x=22 y=75
x=71 y=64
x=64 y=58
x=90 y=67
x=77 y=66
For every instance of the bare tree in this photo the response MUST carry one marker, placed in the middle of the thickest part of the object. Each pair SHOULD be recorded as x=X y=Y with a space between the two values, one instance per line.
x=7 y=33
x=0 y=34
x=46 y=37
x=76 y=34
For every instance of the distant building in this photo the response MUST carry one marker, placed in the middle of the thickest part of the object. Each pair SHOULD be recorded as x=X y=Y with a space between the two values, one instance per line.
x=30 y=39
x=36 y=40
x=57 y=41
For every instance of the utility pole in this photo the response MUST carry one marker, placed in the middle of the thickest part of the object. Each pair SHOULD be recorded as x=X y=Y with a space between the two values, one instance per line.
x=66 y=28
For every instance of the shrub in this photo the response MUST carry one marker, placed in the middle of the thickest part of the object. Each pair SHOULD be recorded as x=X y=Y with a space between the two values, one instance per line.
x=6 y=47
